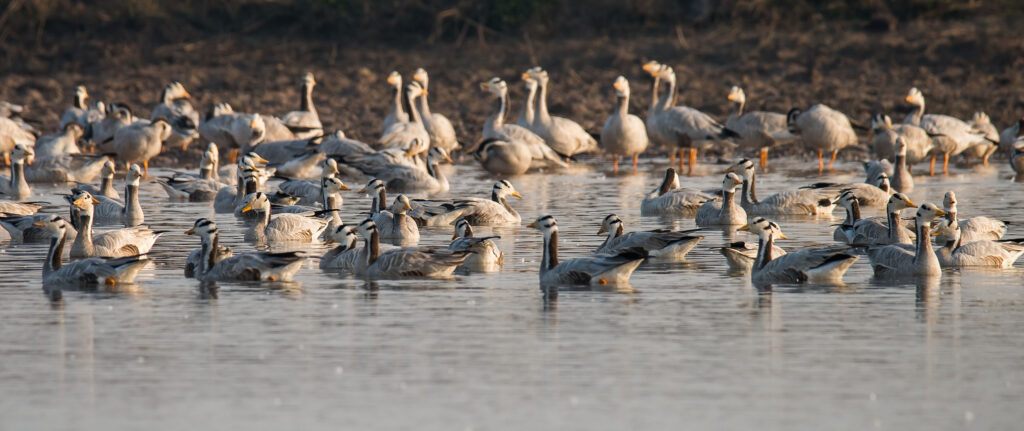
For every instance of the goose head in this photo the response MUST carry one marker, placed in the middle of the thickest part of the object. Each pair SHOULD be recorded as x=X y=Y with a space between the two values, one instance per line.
x=545 y=224
x=898 y=202
x=901 y=147
x=462 y=229
x=133 y=175
x=927 y=212
x=945 y=228
x=373 y=187
x=334 y=185
x=367 y=228
x=652 y=67
x=621 y=86
x=413 y=90
x=847 y=199
x=791 y=120
x=743 y=167
x=84 y=201
x=611 y=224
x=109 y=169
x=395 y=79
x=949 y=201
x=80 y=95
x=163 y=127
x=420 y=76
x=764 y=228
x=981 y=118
x=330 y=167
x=538 y=74
x=205 y=228
x=174 y=91
x=882 y=182
x=731 y=183
x=252 y=160
x=496 y=86
x=75 y=129
x=438 y=155
x=401 y=205
x=736 y=95
x=55 y=226
x=914 y=97
x=505 y=188
x=257 y=129
x=23 y=154
x=308 y=80
x=256 y=202
x=341 y=234
x=881 y=122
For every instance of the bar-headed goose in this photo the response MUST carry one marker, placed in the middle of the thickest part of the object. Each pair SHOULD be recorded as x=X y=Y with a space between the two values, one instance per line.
x=66 y=168
x=983 y=149
x=232 y=131
x=440 y=129
x=305 y=123
x=740 y=256
x=112 y=243
x=280 y=227
x=563 y=135
x=106 y=187
x=623 y=134
x=905 y=260
x=12 y=134
x=128 y=212
x=210 y=241
x=953 y=130
x=15 y=186
x=410 y=136
x=957 y=253
x=611 y=269
x=101 y=133
x=485 y=257
x=175 y=107
x=814 y=264
x=140 y=142
x=310 y=192
x=404 y=262
x=507 y=148
x=86 y=272
x=822 y=129
x=757 y=129
x=77 y=111
x=885 y=230
x=347 y=254
x=814 y=201
x=974 y=228
x=668 y=199
x=63 y=143
x=1008 y=137
x=18 y=208
x=213 y=265
x=395 y=226
x=919 y=143
x=661 y=244
x=724 y=212
x=495 y=211
x=23 y=228
x=408 y=179
x=397 y=113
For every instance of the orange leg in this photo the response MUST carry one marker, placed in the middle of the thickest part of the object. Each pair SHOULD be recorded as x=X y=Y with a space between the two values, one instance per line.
x=693 y=160
x=615 y=164
x=671 y=157
x=233 y=155
x=984 y=159
x=931 y=170
x=830 y=162
x=764 y=157
x=7 y=159
x=681 y=160
x=945 y=164
x=567 y=160
x=821 y=164
x=635 y=159
x=145 y=168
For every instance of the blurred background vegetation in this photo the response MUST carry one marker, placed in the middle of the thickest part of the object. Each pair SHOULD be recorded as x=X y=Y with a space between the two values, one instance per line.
x=38 y=22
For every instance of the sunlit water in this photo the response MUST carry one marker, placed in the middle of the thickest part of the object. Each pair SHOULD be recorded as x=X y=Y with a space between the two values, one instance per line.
x=686 y=346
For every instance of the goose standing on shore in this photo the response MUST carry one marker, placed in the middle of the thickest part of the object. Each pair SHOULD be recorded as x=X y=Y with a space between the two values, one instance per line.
x=956 y=134
x=563 y=135
x=613 y=269
x=668 y=199
x=757 y=129
x=101 y=133
x=623 y=134
x=213 y=265
x=898 y=260
x=305 y=123
x=86 y=272
x=404 y=262
x=660 y=244
x=175 y=107
x=510 y=149
x=822 y=129
x=485 y=257
x=397 y=113
x=919 y=144
x=410 y=136
x=724 y=212
x=15 y=186
x=112 y=243
x=440 y=129
x=815 y=264
x=140 y=142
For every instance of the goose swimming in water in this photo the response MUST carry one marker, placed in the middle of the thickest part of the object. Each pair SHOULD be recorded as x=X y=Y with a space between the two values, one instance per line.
x=612 y=269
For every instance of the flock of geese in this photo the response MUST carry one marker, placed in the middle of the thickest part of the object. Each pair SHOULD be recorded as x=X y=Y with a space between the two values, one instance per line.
x=308 y=165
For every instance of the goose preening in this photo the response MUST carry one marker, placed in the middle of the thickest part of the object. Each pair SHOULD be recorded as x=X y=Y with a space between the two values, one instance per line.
x=803 y=201
x=346 y=254
x=233 y=131
x=510 y=149
x=563 y=135
x=112 y=243
x=65 y=142
x=956 y=135
x=286 y=227
x=440 y=129
x=897 y=260
x=882 y=230
x=404 y=262
x=919 y=143
x=611 y=269
x=974 y=228
x=756 y=129
x=679 y=127
x=397 y=113
x=178 y=110
x=140 y=142
x=88 y=272
x=15 y=186
x=623 y=134
x=814 y=264
x=194 y=262
x=955 y=252
x=106 y=187
x=823 y=129
x=305 y=123
x=214 y=265
x=409 y=136
x=723 y=212
x=77 y=111
x=660 y=244
x=668 y=199
x=495 y=211
x=128 y=211
x=485 y=255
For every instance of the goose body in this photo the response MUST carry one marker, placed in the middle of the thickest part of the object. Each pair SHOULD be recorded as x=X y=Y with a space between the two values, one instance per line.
x=67 y=168
x=822 y=129
x=113 y=243
x=128 y=211
x=495 y=211
x=970 y=229
x=233 y=131
x=78 y=110
x=485 y=255
x=140 y=142
x=661 y=244
x=175 y=107
x=668 y=199
x=510 y=149
x=563 y=135
x=410 y=136
x=18 y=208
x=408 y=179
x=956 y=135
x=280 y=227
x=919 y=143
x=102 y=132
x=397 y=113
x=63 y=143
x=86 y=272
x=679 y=127
x=395 y=225
x=814 y=201
x=16 y=186
x=347 y=254
x=756 y=129
x=956 y=253
x=106 y=187
x=623 y=134
x=898 y=260
x=215 y=265
x=404 y=262
x=884 y=230
x=815 y=264
x=613 y=269
x=23 y=228
x=740 y=256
